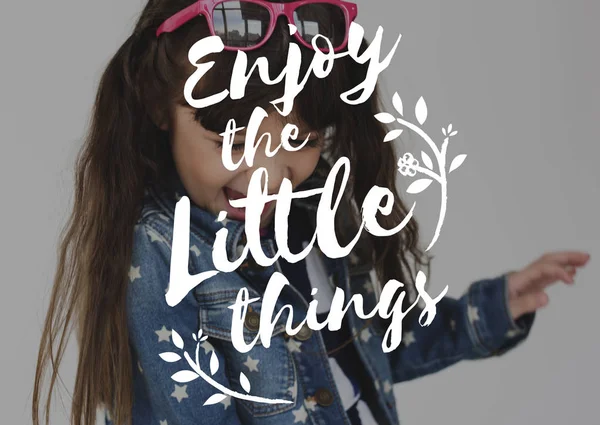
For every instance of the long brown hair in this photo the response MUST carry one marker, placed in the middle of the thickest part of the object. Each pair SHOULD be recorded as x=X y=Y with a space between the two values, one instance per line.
x=125 y=151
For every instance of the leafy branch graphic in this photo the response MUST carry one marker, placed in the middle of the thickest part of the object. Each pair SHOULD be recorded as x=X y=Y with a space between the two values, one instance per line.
x=196 y=372
x=409 y=165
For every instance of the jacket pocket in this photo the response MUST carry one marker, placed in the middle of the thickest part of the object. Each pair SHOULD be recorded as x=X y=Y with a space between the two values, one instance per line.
x=270 y=371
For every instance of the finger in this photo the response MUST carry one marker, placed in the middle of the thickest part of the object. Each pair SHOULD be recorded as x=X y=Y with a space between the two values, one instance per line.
x=535 y=277
x=545 y=273
x=540 y=285
x=528 y=304
x=566 y=258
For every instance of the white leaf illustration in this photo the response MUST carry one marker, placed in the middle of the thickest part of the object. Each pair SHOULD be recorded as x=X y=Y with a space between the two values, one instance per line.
x=214 y=399
x=394 y=134
x=398 y=103
x=214 y=363
x=384 y=117
x=443 y=131
x=426 y=160
x=194 y=337
x=454 y=133
x=418 y=186
x=244 y=382
x=421 y=110
x=457 y=162
x=449 y=128
x=170 y=357
x=204 y=338
x=176 y=339
x=184 y=376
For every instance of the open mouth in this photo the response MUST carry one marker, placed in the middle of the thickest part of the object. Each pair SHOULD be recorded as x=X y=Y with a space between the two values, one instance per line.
x=238 y=213
x=231 y=194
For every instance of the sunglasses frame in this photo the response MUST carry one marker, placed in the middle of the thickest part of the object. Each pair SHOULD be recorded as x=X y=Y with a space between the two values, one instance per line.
x=207 y=7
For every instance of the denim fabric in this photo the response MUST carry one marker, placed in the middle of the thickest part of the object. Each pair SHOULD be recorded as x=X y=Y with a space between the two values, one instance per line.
x=475 y=326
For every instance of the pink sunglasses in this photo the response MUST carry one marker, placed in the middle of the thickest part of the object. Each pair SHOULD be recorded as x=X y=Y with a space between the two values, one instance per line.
x=248 y=24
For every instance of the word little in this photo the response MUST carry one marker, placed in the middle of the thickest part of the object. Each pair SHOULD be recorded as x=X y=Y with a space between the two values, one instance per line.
x=180 y=280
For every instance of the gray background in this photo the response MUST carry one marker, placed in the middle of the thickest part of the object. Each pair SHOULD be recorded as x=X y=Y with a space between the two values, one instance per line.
x=518 y=79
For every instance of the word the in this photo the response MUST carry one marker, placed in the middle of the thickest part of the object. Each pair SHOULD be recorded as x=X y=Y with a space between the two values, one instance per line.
x=251 y=144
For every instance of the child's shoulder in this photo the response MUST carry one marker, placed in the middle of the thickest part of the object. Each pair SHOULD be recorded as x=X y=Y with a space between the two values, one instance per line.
x=149 y=278
x=151 y=252
x=154 y=219
x=150 y=262
x=152 y=248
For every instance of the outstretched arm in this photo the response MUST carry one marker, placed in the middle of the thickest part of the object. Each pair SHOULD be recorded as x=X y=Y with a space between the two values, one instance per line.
x=492 y=317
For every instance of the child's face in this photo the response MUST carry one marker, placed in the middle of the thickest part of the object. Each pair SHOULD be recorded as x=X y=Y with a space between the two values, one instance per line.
x=197 y=155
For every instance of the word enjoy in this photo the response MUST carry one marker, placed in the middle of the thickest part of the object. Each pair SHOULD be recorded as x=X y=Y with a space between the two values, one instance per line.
x=321 y=65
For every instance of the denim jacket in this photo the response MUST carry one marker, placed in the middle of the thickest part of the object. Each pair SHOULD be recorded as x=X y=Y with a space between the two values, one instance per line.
x=294 y=368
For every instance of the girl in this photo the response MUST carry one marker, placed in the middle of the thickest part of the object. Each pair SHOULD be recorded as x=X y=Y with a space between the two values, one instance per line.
x=147 y=149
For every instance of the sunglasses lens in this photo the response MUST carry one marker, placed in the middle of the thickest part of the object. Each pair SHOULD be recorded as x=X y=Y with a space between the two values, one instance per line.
x=321 y=18
x=240 y=24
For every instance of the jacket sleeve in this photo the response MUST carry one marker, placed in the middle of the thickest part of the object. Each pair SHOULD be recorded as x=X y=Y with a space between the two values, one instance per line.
x=475 y=326
x=152 y=325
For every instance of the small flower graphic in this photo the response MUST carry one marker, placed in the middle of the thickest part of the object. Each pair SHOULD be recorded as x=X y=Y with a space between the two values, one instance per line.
x=407 y=165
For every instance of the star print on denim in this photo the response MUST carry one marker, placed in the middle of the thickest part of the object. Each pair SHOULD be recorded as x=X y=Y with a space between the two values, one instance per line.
x=252 y=364
x=180 y=392
x=134 y=273
x=453 y=336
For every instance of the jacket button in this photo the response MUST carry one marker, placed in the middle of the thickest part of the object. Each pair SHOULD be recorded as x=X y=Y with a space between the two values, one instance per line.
x=252 y=321
x=323 y=397
x=304 y=333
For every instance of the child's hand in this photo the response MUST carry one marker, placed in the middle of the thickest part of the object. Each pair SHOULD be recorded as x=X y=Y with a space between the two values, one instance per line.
x=526 y=287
